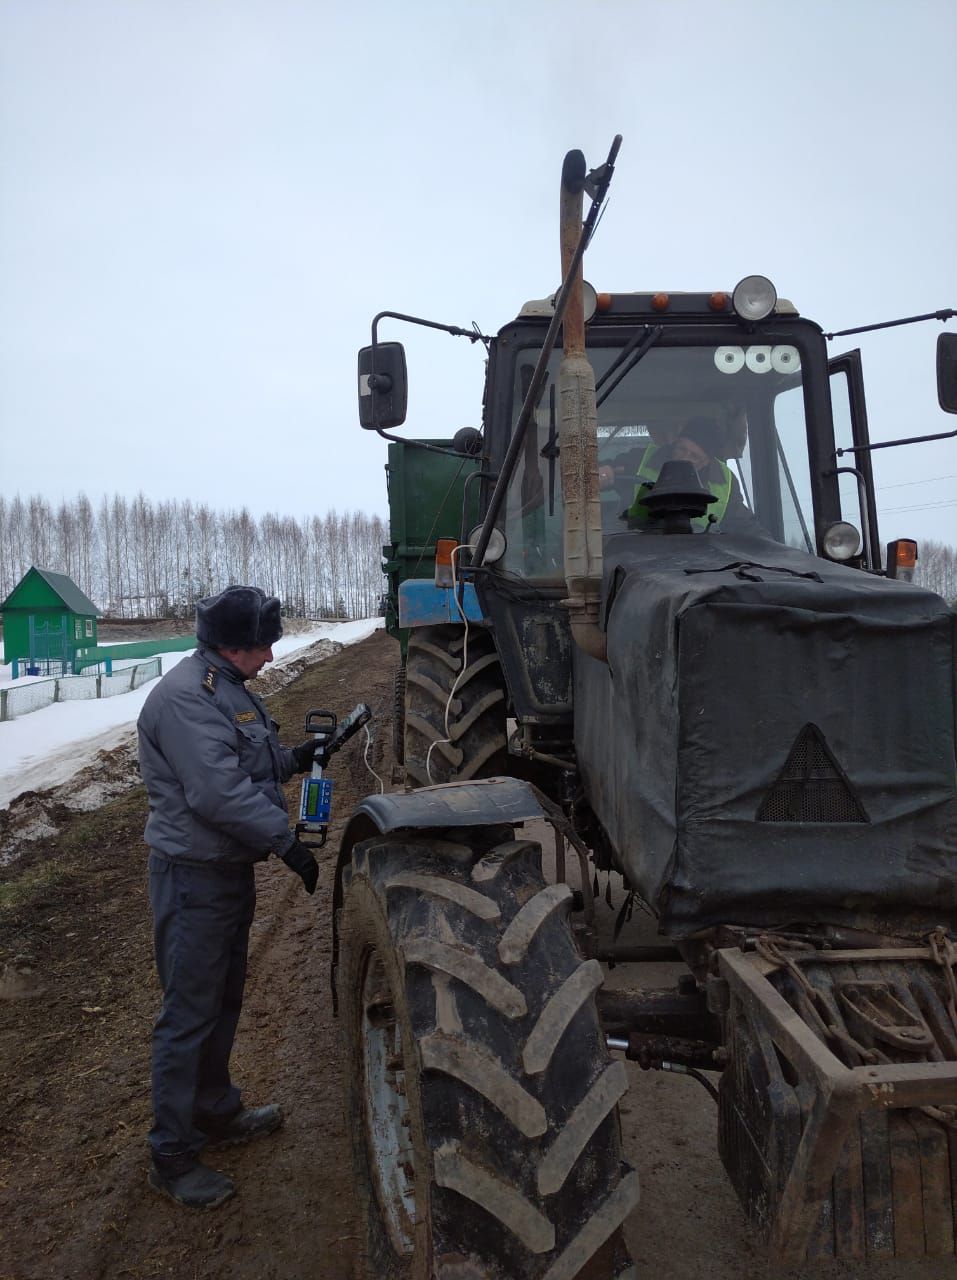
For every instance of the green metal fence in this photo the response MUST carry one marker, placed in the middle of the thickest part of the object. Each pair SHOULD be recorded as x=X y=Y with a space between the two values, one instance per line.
x=110 y=653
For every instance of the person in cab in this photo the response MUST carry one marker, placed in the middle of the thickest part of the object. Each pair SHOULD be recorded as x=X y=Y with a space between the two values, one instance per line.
x=700 y=443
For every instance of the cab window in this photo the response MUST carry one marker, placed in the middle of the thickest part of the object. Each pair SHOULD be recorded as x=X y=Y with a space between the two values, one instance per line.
x=745 y=402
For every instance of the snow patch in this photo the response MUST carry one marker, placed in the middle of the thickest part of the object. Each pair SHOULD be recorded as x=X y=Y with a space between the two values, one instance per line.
x=44 y=751
x=36 y=827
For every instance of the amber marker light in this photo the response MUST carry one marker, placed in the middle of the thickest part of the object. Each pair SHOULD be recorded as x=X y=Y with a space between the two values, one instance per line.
x=660 y=301
x=906 y=553
x=443 y=561
x=603 y=302
x=902 y=559
x=718 y=302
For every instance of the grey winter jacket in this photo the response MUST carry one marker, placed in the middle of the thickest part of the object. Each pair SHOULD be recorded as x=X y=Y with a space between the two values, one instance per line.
x=213 y=766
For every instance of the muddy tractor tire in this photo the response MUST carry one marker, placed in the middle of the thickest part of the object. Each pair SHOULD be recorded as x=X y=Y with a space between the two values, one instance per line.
x=483 y=1104
x=476 y=732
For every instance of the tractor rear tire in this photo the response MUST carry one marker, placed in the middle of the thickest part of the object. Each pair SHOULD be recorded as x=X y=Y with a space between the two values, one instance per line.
x=476 y=732
x=483 y=1104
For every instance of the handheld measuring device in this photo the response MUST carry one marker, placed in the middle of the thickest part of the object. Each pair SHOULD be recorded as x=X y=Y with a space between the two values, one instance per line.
x=315 y=798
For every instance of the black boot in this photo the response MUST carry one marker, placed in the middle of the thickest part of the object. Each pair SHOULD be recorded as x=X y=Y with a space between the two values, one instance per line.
x=255 y=1122
x=190 y=1183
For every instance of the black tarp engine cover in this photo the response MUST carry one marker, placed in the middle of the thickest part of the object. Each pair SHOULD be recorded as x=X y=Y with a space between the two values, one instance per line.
x=772 y=740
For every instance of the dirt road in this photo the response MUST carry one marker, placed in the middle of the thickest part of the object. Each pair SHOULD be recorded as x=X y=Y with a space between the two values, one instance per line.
x=77 y=998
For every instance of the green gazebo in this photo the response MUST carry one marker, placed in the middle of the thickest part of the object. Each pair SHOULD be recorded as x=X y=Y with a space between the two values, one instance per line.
x=46 y=619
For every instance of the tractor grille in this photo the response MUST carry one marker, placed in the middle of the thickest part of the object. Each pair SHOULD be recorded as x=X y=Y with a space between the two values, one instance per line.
x=811 y=787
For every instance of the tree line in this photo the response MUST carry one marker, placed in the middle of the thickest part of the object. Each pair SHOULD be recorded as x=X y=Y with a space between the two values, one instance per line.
x=156 y=559
x=937 y=569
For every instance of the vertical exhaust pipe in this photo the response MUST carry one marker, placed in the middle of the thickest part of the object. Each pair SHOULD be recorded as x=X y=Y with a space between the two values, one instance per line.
x=578 y=418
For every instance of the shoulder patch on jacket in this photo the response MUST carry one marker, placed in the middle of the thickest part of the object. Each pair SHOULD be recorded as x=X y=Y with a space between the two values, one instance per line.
x=209 y=679
x=244 y=717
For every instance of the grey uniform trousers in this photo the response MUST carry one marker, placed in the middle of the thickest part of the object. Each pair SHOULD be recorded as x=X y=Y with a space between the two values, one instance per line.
x=201 y=919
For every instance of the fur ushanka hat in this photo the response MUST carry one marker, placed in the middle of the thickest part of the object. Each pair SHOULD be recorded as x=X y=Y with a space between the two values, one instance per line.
x=238 y=618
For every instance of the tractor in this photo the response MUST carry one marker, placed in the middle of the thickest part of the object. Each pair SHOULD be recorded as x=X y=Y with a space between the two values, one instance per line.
x=647 y=605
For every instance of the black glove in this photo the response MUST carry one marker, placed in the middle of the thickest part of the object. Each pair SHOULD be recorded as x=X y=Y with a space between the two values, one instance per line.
x=300 y=859
x=305 y=754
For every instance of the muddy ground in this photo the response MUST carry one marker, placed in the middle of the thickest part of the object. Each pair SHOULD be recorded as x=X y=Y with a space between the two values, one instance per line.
x=77 y=998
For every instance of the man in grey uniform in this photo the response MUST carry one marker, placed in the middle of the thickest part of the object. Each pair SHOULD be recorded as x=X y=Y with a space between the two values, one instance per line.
x=214 y=770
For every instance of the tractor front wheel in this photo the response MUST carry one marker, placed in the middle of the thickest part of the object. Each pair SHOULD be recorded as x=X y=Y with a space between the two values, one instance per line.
x=483 y=1104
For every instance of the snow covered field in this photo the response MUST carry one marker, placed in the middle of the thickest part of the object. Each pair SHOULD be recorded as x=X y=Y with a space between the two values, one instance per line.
x=47 y=747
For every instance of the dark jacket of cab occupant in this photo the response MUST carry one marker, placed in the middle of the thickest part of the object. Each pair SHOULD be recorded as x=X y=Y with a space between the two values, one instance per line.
x=214 y=769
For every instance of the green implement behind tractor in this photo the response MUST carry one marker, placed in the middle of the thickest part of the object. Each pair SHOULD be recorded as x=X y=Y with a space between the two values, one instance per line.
x=430 y=493
x=427 y=497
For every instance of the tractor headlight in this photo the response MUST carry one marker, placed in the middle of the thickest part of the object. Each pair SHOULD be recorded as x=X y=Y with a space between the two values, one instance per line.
x=589 y=301
x=754 y=298
x=496 y=544
x=842 y=541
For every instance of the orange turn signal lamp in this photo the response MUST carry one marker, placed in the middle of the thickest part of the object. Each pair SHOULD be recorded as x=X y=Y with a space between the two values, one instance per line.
x=444 y=550
x=902 y=559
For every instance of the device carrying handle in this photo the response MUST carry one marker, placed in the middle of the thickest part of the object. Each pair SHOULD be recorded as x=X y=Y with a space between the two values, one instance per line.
x=321 y=723
x=322 y=726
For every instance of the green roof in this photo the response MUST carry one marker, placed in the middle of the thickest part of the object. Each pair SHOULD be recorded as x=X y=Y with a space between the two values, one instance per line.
x=64 y=587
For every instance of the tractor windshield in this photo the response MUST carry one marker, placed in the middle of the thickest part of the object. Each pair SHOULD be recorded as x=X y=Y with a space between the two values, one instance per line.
x=735 y=412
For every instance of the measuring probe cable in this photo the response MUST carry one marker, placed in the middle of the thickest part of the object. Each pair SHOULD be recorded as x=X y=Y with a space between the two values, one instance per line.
x=365 y=760
x=463 y=546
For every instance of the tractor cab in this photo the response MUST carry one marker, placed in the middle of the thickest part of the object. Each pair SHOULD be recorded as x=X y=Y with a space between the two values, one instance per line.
x=684 y=376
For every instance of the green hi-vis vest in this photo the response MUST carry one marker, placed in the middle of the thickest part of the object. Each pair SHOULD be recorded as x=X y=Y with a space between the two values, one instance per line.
x=646 y=475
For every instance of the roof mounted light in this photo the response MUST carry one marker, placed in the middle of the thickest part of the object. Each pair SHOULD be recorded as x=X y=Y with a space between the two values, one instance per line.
x=754 y=298
x=546 y=306
x=589 y=300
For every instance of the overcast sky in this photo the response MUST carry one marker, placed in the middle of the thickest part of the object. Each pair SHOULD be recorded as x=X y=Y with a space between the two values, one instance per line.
x=204 y=202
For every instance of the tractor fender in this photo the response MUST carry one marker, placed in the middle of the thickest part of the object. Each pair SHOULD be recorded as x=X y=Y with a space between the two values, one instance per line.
x=481 y=803
x=423 y=604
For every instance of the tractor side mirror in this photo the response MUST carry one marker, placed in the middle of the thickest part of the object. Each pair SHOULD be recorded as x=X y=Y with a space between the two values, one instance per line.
x=947 y=372
x=383 y=391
